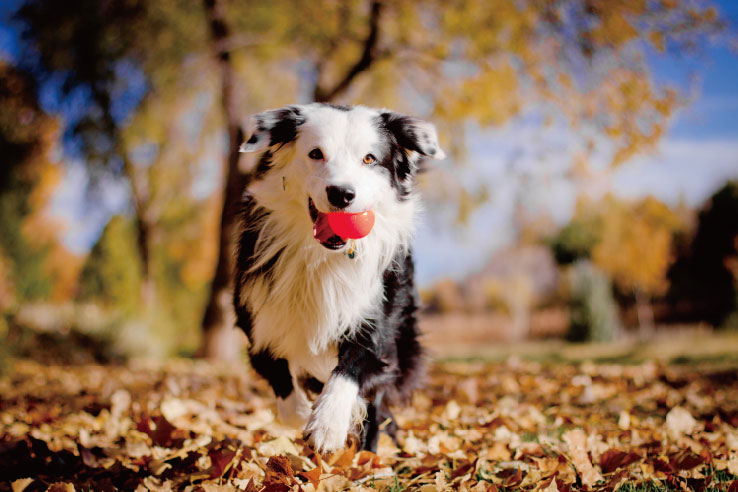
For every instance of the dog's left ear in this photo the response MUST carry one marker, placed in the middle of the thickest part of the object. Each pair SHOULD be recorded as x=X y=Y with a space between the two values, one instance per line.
x=414 y=134
x=273 y=127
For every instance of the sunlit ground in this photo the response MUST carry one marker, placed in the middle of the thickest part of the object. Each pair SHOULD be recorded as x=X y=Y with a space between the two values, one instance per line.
x=530 y=416
x=687 y=345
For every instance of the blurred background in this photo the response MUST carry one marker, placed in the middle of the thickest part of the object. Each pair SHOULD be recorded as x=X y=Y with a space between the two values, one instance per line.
x=590 y=193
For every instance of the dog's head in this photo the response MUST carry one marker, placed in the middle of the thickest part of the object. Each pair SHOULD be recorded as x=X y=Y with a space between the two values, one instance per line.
x=329 y=158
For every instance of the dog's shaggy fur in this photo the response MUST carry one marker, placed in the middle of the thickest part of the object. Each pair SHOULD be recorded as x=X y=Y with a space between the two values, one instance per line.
x=322 y=323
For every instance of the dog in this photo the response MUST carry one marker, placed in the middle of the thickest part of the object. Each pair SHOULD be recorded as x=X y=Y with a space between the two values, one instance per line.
x=331 y=321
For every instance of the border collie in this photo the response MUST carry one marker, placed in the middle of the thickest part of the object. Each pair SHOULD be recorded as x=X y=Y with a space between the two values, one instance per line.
x=332 y=321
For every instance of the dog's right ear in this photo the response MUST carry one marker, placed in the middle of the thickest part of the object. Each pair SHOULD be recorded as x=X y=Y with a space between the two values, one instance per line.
x=273 y=127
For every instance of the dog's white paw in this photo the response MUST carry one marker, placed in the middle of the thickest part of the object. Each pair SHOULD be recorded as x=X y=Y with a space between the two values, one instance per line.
x=294 y=410
x=325 y=434
x=335 y=412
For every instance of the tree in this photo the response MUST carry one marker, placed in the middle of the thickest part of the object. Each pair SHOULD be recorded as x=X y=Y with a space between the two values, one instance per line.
x=704 y=278
x=576 y=240
x=27 y=179
x=105 y=58
x=218 y=339
x=594 y=314
x=635 y=249
x=631 y=242
x=142 y=54
x=112 y=272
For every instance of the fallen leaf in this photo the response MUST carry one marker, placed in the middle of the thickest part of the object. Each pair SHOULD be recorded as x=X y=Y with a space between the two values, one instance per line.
x=685 y=460
x=280 y=445
x=612 y=459
x=552 y=487
x=440 y=481
x=212 y=487
x=279 y=470
x=61 y=487
x=624 y=420
x=313 y=476
x=21 y=484
x=679 y=421
x=342 y=459
x=577 y=441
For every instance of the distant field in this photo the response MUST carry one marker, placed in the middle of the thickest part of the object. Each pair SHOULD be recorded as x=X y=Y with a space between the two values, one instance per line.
x=485 y=337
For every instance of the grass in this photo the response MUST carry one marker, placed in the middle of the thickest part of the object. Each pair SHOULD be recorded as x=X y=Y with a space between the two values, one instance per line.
x=649 y=486
x=699 y=347
x=719 y=480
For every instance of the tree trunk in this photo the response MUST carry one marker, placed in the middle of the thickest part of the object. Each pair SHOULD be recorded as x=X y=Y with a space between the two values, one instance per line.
x=145 y=224
x=220 y=338
x=144 y=232
x=645 y=315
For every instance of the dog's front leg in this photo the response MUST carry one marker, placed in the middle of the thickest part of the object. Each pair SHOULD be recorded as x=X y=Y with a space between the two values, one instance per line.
x=293 y=407
x=341 y=404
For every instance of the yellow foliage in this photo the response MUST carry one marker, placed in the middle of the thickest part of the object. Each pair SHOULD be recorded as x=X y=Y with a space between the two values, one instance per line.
x=635 y=246
x=64 y=267
x=36 y=175
x=491 y=97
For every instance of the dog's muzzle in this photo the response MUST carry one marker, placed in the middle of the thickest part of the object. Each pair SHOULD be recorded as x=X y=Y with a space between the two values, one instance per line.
x=322 y=231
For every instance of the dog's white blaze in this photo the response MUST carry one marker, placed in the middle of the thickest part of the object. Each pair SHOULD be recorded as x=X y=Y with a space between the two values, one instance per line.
x=316 y=295
x=344 y=139
x=336 y=410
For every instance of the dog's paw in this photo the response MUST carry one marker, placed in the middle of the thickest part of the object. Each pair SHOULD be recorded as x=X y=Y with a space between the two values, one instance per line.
x=293 y=410
x=324 y=434
x=335 y=412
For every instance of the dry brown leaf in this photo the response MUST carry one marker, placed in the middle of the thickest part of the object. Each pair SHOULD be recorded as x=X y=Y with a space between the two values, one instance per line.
x=313 y=476
x=61 y=487
x=679 y=421
x=21 y=484
x=342 y=459
x=552 y=487
x=212 y=487
x=280 y=445
x=577 y=441
x=612 y=459
x=440 y=481
x=279 y=470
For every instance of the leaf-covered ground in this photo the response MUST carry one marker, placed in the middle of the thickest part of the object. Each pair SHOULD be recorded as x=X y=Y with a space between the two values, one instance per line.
x=190 y=425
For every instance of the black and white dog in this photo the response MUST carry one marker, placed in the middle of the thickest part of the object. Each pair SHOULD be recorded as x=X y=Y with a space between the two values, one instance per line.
x=331 y=319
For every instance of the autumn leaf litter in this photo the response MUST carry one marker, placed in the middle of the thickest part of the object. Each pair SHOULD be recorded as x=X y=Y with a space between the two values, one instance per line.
x=191 y=425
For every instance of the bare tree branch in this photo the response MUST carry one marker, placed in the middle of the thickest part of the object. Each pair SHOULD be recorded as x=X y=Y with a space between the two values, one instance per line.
x=368 y=56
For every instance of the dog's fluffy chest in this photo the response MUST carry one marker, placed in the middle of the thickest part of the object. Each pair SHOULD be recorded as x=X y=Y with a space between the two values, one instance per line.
x=304 y=306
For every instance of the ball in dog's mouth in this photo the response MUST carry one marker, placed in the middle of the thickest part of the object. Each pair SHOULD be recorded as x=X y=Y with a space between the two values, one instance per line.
x=333 y=229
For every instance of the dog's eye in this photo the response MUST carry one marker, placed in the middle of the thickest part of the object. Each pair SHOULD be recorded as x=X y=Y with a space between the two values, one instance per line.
x=369 y=159
x=316 y=154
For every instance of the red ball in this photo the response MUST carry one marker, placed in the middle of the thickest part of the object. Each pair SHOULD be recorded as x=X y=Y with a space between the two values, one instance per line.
x=351 y=226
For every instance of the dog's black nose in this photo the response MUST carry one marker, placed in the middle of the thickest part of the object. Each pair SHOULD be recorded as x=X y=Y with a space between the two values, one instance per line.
x=340 y=196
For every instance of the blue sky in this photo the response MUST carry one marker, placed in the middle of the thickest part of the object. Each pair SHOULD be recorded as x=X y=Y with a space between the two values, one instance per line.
x=697 y=155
